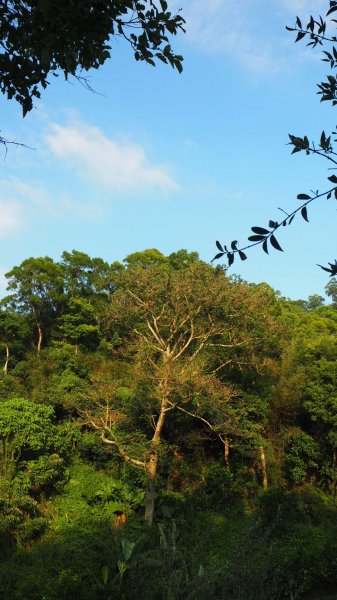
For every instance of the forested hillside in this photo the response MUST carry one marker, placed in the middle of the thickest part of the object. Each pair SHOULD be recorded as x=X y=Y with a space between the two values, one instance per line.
x=167 y=432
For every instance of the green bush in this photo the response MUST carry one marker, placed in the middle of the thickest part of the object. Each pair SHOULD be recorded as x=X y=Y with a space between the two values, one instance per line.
x=32 y=455
x=288 y=546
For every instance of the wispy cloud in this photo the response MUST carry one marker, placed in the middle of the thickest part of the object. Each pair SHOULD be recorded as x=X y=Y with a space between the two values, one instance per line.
x=251 y=32
x=11 y=209
x=305 y=7
x=10 y=217
x=120 y=166
x=230 y=26
x=21 y=202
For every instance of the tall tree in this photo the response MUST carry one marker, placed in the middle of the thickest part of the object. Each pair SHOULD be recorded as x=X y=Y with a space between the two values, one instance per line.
x=13 y=334
x=37 y=286
x=172 y=322
x=84 y=276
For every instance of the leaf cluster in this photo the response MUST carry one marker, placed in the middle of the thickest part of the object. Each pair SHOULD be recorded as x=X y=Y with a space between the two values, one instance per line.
x=40 y=38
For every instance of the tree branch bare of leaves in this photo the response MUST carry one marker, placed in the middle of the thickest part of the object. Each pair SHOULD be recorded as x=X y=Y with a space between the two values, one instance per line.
x=5 y=143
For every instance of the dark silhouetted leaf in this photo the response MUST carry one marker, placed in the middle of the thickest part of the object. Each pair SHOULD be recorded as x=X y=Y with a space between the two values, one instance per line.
x=234 y=244
x=303 y=197
x=300 y=35
x=265 y=246
x=242 y=255
x=331 y=10
x=333 y=178
x=230 y=257
x=325 y=268
x=218 y=245
x=256 y=238
x=275 y=243
x=304 y=213
x=217 y=256
x=260 y=230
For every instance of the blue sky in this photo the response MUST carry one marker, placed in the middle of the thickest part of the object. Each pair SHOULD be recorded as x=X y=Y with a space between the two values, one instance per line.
x=158 y=159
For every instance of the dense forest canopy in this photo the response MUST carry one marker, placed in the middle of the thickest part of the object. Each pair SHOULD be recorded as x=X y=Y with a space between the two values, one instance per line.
x=163 y=385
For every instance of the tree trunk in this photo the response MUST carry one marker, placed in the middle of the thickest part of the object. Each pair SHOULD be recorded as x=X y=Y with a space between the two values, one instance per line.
x=151 y=472
x=263 y=468
x=152 y=464
x=334 y=469
x=39 y=344
x=226 y=450
x=5 y=368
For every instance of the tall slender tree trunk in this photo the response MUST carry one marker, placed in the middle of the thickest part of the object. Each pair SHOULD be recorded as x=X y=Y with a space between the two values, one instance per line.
x=151 y=472
x=226 y=451
x=39 y=329
x=39 y=344
x=263 y=468
x=5 y=368
x=152 y=462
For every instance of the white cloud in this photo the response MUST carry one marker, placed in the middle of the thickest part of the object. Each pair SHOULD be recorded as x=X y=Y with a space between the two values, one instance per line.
x=231 y=27
x=11 y=216
x=20 y=202
x=11 y=209
x=120 y=166
x=251 y=32
x=305 y=7
x=30 y=194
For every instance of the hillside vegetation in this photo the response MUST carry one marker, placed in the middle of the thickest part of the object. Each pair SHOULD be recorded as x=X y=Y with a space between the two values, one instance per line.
x=166 y=432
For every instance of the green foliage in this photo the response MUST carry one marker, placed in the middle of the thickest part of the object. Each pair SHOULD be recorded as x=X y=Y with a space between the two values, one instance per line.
x=245 y=377
x=32 y=466
x=302 y=454
x=9 y=386
x=285 y=547
x=91 y=494
x=218 y=486
x=26 y=429
x=145 y=259
x=78 y=324
x=14 y=334
x=183 y=259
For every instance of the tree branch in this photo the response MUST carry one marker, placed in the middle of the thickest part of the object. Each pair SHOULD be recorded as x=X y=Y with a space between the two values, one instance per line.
x=127 y=458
